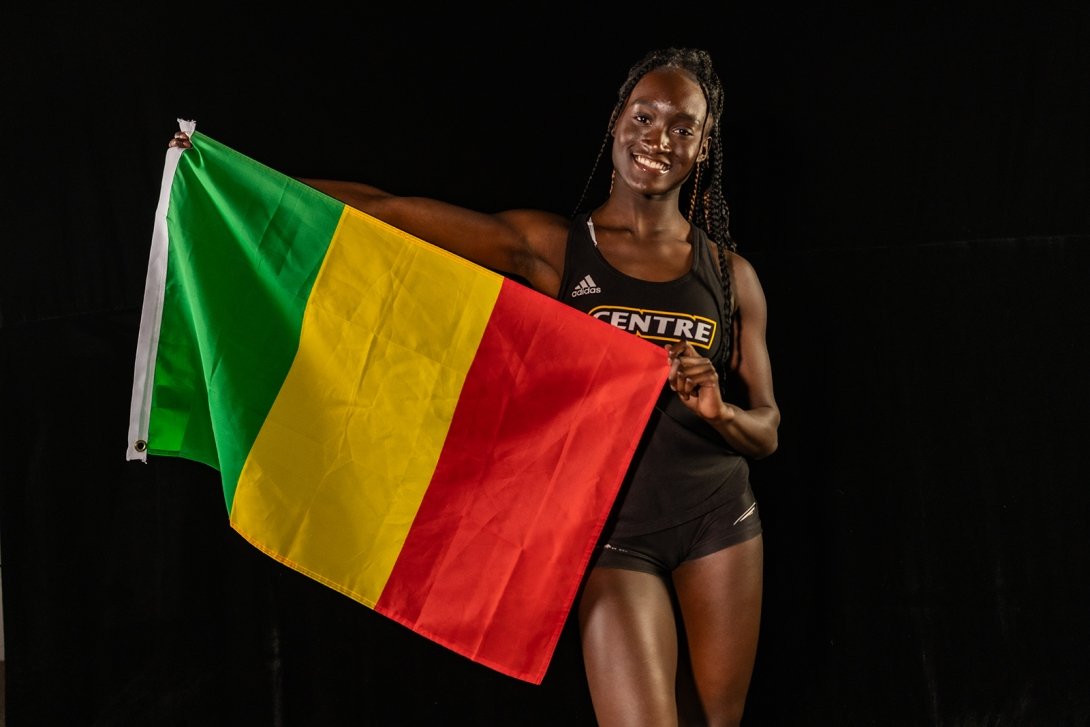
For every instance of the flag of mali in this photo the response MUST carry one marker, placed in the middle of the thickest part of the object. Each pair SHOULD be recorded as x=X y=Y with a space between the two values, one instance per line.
x=427 y=437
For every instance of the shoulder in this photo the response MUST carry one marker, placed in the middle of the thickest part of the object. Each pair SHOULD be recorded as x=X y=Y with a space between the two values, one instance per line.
x=544 y=234
x=746 y=285
x=544 y=242
x=535 y=225
x=741 y=269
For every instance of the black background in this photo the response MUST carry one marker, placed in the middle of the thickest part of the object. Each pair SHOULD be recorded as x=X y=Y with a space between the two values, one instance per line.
x=910 y=181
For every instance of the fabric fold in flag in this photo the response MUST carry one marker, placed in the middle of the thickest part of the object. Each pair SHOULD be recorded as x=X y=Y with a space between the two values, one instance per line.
x=425 y=436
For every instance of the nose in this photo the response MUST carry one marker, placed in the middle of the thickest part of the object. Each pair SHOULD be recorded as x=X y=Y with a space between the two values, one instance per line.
x=658 y=136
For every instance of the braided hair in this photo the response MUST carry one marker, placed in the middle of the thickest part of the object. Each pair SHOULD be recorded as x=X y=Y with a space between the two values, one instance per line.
x=707 y=206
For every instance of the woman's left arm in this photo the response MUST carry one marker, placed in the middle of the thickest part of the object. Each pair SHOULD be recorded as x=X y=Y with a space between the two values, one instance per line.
x=751 y=429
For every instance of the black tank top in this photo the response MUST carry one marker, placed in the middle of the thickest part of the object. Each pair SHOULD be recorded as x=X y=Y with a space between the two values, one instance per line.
x=683 y=468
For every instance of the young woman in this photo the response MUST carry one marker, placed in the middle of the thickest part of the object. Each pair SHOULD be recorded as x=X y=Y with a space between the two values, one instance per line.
x=678 y=572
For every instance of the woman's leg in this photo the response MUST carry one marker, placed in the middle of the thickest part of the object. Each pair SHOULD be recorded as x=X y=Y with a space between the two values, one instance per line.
x=720 y=600
x=629 y=637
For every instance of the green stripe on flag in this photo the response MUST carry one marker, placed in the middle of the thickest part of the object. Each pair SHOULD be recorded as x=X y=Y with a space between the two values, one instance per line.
x=245 y=245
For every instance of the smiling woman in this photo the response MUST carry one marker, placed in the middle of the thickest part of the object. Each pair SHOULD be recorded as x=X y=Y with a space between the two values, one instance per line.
x=683 y=549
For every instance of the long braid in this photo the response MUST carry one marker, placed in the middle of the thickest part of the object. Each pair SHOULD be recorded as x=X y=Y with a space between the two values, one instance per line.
x=708 y=207
x=712 y=213
x=593 y=169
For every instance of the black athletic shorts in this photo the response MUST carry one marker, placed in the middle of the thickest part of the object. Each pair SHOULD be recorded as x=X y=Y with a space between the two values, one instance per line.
x=662 y=551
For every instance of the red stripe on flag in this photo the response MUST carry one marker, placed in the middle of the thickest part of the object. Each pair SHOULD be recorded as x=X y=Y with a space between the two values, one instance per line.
x=529 y=469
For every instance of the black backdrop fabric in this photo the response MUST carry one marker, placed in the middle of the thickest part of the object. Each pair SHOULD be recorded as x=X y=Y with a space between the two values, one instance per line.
x=910 y=182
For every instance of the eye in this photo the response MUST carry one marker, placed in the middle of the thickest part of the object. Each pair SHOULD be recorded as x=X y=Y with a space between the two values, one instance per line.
x=684 y=131
x=641 y=118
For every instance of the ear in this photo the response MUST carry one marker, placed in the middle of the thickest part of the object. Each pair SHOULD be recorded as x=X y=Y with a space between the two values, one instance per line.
x=703 y=153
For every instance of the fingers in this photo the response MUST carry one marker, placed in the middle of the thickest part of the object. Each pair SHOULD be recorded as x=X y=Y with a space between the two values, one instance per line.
x=673 y=353
x=689 y=370
x=691 y=377
x=180 y=140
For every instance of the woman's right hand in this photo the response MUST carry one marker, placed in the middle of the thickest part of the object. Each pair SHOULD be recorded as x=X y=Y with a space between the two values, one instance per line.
x=180 y=140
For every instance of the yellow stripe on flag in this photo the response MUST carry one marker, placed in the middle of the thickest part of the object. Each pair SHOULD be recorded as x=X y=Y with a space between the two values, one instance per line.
x=351 y=442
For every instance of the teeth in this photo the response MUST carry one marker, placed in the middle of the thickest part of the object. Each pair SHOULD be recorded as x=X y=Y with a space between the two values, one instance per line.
x=652 y=163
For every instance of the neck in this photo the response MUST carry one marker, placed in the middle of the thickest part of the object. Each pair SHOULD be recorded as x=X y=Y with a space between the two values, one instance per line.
x=642 y=215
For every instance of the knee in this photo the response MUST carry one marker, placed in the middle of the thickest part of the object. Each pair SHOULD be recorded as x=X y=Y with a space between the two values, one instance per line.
x=727 y=713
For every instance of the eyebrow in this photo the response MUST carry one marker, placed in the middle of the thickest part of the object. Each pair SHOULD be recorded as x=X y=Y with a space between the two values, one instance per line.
x=696 y=120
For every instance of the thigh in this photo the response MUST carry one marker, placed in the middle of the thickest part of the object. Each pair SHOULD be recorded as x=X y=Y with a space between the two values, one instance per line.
x=719 y=596
x=629 y=638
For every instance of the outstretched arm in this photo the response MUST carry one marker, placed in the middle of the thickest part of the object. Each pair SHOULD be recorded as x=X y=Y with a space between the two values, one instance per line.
x=526 y=243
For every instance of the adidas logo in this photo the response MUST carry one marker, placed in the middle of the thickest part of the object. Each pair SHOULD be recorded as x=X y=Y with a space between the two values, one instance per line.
x=586 y=287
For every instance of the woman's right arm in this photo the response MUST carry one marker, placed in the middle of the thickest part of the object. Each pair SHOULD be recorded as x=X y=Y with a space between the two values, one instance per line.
x=527 y=243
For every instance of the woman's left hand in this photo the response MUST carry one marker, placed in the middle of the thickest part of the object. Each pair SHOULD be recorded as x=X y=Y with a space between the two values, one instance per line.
x=696 y=381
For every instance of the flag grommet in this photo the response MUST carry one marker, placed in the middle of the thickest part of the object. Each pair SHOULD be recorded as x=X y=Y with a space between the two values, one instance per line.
x=140 y=445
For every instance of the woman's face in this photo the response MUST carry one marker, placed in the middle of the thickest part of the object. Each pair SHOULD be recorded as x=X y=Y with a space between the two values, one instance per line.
x=659 y=133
